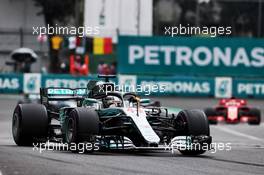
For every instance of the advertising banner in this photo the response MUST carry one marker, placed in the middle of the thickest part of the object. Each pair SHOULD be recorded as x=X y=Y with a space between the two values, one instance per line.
x=191 y=56
x=223 y=87
x=31 y=83
x=65 y=81
x=165 y=86
x=11 y=83
x=219 y=87
x=248 y=88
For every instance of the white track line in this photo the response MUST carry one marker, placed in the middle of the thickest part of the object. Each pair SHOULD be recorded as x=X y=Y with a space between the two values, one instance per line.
x=230 y=131
x=1 y=172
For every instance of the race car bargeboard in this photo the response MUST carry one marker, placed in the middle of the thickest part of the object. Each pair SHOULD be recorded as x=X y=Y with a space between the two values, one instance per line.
x=112 y=120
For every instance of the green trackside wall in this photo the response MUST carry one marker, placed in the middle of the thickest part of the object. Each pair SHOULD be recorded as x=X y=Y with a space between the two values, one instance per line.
x=147 y=85
x=192 y=56
x=194 y=66
x=11 y=83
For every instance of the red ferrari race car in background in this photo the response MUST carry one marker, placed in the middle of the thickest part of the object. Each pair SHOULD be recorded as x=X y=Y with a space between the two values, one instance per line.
x=233 y=111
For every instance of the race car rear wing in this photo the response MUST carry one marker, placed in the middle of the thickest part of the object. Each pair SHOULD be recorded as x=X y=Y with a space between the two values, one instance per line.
x=60 y=94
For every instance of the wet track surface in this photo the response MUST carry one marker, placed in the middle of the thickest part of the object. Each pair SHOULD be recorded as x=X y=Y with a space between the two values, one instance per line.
x=245 y=157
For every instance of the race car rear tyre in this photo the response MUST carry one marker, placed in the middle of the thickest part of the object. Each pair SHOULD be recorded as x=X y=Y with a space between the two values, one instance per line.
x=82 y=125
x=210 y=112
x=254 y=112
x=29 y=124
x=197 y=125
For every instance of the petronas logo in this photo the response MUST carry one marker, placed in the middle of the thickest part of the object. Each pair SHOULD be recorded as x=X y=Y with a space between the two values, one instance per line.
x=31 y=84
x=223 y=87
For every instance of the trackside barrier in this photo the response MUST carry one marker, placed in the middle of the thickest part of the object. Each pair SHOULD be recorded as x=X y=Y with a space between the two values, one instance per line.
x=219 y=87
x=167 y=86
x=191 y=56
x=11 y=83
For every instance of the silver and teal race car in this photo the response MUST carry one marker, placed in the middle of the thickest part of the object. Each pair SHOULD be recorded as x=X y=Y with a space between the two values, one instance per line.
x=109 y=119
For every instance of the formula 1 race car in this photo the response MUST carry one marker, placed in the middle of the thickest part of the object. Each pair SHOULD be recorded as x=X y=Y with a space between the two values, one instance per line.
x=109 y=119
x=233 y=111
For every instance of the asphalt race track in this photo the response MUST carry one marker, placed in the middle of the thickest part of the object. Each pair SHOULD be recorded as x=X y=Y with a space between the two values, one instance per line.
x=245 y=157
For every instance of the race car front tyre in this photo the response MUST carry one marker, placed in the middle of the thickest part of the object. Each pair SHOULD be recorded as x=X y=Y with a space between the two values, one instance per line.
x=29 y=124
x=210 y=112
x=197 y=125
x=254 y=112
x=82 y=125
